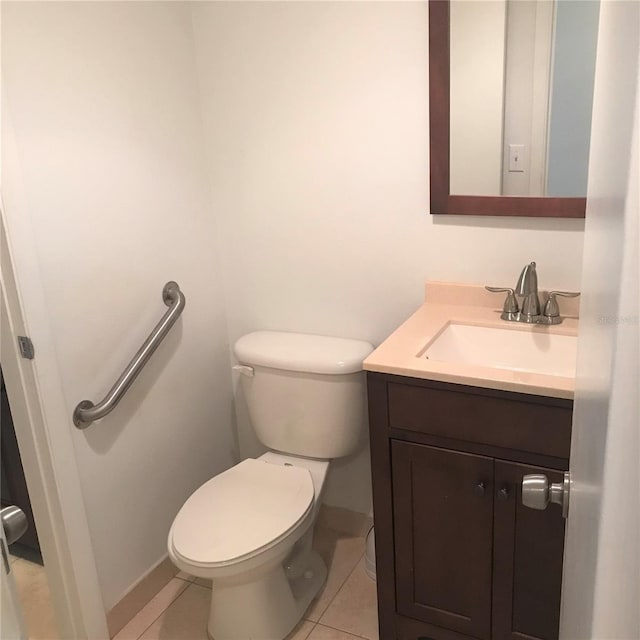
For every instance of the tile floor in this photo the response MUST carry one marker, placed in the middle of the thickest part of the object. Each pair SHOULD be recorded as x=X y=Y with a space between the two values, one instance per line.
x=345 y=609
x=33 y=591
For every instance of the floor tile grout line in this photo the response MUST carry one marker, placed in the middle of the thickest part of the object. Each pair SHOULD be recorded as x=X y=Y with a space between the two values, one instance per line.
x=323 y=611
x=165 y=609
x=335 y=595
x=353 y=635
x=204 y=586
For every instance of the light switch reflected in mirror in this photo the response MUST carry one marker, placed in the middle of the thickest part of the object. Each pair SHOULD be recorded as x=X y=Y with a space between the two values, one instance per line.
x=521 y=92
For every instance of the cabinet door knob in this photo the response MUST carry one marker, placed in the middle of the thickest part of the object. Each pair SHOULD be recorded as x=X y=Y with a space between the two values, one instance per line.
x=480 y=488
x=503 y=494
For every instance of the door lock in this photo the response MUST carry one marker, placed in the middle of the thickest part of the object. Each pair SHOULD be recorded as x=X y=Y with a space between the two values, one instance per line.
x=537 y=493
x=14 y=523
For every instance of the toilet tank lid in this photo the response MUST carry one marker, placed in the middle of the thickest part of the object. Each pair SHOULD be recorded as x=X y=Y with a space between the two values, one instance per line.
x=302 y=352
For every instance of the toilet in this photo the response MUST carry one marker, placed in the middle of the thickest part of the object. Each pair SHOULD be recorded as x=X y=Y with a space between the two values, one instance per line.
x=250 y=529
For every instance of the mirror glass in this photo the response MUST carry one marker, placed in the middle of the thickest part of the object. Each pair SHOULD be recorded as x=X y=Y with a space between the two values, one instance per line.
x=521 y=92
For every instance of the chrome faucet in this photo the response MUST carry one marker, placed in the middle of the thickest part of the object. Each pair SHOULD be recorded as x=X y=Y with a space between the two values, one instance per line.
x=527 y=287
x=528 y=308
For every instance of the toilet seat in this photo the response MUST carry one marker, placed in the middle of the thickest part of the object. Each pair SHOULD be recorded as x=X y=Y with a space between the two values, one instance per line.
x=241 y=512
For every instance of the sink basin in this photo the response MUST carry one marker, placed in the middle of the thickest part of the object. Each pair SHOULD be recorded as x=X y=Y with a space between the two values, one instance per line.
x=528 y=350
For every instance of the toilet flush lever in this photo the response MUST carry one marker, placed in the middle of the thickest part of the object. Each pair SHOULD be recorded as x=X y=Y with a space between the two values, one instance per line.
x=244 y=370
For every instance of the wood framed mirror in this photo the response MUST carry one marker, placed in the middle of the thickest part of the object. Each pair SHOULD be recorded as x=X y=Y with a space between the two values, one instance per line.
x=468 y=201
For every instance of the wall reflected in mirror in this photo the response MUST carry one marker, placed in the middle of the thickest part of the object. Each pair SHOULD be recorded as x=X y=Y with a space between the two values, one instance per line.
x=521 y=93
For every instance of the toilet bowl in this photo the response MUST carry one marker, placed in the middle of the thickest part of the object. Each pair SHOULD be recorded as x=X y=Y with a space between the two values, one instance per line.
x=249 y=529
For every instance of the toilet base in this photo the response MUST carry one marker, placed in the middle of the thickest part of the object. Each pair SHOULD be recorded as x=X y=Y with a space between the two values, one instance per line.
x=265 y=609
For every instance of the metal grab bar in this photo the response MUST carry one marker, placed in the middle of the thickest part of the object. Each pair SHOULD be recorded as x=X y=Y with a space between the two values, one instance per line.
x=86 y=412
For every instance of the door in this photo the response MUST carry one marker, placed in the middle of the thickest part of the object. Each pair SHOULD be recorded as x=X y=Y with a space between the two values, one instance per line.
x=443 y=528
x=602 y=560
x=12 y=625
x=527 y=556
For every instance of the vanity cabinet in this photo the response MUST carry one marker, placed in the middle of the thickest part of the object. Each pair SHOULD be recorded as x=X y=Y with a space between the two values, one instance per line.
x=458 y=555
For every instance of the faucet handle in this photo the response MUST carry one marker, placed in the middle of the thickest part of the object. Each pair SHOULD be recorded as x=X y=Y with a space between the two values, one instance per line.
x=551 y=312
x=510 y=308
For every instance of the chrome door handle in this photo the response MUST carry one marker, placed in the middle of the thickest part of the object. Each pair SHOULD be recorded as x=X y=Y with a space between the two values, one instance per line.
x=14 y=523
x=537 y=493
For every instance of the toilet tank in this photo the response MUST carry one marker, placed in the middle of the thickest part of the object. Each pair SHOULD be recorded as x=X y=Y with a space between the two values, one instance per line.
x=305 y=393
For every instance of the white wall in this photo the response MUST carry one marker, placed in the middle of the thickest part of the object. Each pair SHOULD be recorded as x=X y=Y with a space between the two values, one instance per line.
x=316 y=118
x=106 y=122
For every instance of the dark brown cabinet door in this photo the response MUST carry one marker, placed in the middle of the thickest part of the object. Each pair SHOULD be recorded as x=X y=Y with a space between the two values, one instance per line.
x=443 y=529
x=528 y=552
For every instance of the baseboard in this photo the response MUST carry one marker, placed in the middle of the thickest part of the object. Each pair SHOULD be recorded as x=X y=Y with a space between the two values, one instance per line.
x=139 y=595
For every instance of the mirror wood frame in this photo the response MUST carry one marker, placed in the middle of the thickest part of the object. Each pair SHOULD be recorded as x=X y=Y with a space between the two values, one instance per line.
x=443 y=202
